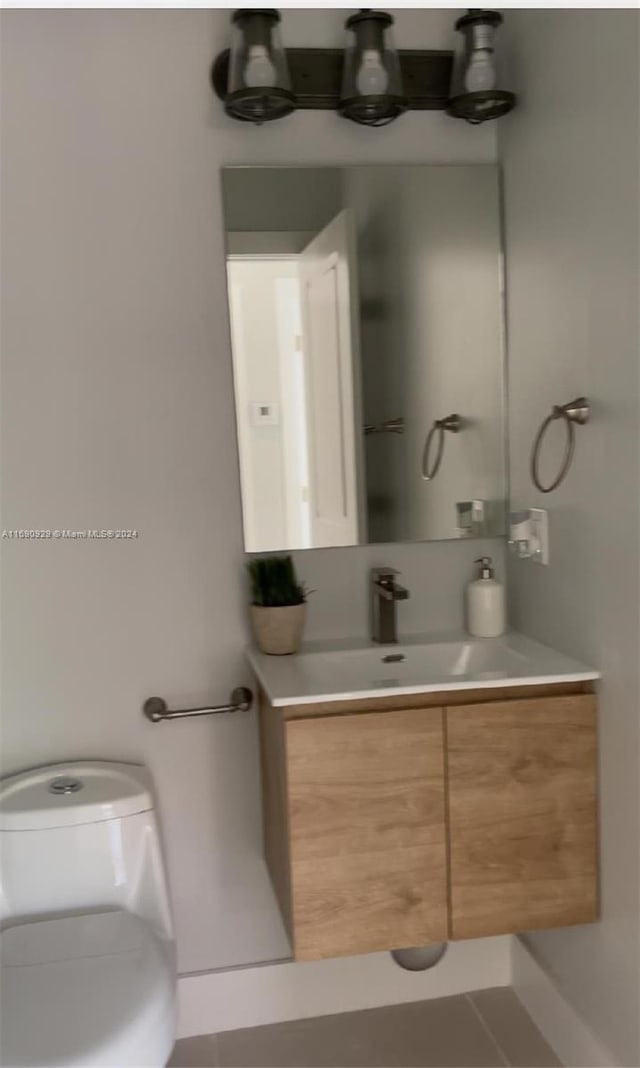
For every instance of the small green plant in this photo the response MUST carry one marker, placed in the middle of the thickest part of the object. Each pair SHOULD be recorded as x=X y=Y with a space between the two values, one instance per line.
x=274 y=582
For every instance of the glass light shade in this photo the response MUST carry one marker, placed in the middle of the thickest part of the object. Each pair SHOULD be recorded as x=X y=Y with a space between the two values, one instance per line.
x=371 y=81
x=259 y=86
x=477 y=85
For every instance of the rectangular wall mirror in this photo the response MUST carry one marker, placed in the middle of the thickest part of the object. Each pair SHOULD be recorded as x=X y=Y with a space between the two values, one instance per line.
x=366 y=320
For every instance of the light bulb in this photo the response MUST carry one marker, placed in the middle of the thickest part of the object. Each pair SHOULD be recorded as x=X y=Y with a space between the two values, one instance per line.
x=259 y=70
x=480 y=75
x=372 y=78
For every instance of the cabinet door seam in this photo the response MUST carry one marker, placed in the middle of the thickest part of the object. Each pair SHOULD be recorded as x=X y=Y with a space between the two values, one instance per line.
x=447 y=822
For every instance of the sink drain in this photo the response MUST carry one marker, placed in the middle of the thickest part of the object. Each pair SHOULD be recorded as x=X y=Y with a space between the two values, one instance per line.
x=65 y=784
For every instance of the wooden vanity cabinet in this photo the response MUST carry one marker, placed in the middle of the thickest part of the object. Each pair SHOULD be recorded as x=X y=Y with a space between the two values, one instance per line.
x=389 y=826
x=522 y=814
x=364 y=811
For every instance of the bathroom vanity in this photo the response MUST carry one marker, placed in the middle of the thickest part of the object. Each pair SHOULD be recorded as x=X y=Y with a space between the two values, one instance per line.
x=399 y=812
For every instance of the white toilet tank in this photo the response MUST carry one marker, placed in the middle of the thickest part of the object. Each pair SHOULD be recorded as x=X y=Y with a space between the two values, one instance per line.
x=81 y=836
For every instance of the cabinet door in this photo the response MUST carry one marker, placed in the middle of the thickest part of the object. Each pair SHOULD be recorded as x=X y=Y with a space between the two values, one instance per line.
x=522 y=812
x=367 y=833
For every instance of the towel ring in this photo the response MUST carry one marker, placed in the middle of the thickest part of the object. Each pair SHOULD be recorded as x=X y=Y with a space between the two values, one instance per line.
x=575 y=412
x=450 y=422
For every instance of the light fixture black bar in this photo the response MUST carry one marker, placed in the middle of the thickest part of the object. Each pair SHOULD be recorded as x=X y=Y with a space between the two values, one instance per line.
x=316 y=77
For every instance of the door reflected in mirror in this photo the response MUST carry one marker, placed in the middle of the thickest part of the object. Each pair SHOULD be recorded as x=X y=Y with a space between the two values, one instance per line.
x=365 y=311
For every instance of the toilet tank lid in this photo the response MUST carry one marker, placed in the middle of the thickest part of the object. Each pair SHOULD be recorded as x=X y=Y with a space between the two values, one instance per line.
x=61 y=795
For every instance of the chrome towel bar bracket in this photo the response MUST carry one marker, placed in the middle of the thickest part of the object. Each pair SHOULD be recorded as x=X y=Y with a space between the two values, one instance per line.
x=390 y=426
x=576 y=412
x=155 y=708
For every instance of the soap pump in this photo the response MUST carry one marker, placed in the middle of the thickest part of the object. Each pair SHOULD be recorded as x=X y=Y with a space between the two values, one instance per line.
x=486 y=616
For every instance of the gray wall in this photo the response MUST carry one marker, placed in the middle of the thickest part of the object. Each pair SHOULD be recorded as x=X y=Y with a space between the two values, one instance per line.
x=570 y=154
x=429 y=252
x=119 y=413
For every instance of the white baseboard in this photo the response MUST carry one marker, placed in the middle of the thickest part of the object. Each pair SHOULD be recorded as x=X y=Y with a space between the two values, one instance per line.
x=565 y=1031
x=270 y=993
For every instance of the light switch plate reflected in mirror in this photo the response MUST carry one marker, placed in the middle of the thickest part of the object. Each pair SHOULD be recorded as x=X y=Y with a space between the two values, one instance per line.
x=265 y=414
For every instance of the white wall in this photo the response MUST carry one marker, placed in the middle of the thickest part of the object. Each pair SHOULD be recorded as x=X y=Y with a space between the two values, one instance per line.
x=119 y=413
x=570 y=155
x=257 y=338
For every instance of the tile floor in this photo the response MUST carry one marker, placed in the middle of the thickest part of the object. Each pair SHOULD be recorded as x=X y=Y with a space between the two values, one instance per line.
x=485 y=1029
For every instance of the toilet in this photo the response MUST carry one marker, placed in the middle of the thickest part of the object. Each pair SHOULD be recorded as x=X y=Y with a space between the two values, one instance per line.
x=86 y=942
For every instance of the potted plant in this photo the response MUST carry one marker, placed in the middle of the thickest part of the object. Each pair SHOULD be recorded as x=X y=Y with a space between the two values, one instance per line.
x=278 y=604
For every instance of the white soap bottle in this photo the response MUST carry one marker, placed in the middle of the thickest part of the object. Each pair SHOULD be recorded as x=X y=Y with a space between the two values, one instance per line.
x=486 y=614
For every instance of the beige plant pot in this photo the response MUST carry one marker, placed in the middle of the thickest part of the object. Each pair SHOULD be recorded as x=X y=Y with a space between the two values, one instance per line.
x=278 y=631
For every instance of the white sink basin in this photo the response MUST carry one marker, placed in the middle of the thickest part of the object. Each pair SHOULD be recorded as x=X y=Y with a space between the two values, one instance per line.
x=345 y=670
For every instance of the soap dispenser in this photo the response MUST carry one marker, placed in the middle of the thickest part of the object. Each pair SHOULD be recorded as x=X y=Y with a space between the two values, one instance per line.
x=486 y=616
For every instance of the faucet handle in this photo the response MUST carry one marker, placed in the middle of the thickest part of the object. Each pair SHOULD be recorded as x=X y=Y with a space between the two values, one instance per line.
x=383 y=583
x=383 y=573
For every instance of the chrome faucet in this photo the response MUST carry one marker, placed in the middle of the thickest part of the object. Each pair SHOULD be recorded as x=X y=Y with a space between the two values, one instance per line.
x=385 y=591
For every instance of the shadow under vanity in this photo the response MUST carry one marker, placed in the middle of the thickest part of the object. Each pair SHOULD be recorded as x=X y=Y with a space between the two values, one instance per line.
x=435 y=789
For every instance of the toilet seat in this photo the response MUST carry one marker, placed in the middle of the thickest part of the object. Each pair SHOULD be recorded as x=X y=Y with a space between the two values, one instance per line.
x=92 y=989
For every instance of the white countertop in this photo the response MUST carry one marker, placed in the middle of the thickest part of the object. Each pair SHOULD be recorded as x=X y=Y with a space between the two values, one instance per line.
x=352 y=669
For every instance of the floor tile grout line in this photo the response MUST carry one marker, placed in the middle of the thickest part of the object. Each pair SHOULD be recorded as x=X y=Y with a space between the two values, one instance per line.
x=486 y=1027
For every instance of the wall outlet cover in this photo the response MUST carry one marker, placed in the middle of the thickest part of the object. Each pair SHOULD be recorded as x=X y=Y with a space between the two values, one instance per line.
x=529 y=535
x=539 y=523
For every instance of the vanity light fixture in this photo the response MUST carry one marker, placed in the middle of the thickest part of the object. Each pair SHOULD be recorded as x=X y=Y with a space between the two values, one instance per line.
x=476 y=93
x=371 y=81
x=259 y=86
